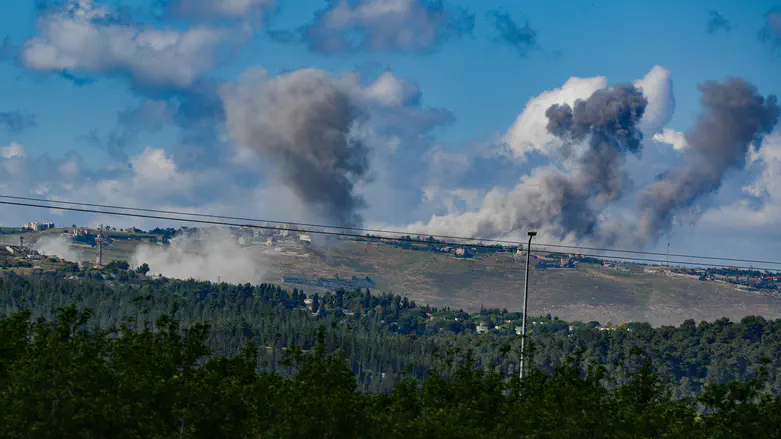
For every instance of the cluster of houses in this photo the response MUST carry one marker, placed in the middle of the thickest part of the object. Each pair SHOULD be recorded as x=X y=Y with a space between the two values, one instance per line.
x=37 y=227
x=744 y=278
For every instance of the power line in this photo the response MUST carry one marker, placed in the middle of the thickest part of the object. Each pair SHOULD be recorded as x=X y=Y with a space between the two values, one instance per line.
x=353 y=235
x=496 y=241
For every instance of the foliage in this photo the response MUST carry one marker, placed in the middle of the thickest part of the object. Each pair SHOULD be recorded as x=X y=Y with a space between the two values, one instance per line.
x=382 y=335
x=60 y=378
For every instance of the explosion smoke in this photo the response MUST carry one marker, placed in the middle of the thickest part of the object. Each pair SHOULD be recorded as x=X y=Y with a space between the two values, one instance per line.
x=302 y=122
x=735 y=115
x=565 y=204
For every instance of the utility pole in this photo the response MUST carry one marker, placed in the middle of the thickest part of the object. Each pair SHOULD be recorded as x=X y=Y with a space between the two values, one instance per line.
x=99 y=242
x=525 y=303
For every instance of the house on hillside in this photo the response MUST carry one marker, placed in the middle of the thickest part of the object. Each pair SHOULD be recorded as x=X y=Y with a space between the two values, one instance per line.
x=37 y=227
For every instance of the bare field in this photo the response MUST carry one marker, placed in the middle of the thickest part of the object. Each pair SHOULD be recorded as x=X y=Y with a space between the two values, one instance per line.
x=586 y=293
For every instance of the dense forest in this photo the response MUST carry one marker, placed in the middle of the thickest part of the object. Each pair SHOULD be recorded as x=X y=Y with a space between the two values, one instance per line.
x=382 y=337
x=65 y=379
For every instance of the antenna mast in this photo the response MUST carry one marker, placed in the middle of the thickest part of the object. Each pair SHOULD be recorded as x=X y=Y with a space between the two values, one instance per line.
x=99 y=242
x=668 y=253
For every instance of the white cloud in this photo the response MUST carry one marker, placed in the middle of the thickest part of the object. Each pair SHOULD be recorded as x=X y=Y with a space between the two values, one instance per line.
x=14 y=150
x=154 y=170
x=657 y=86
x=671 y=137
x=382 y=25
x=528 y=132
x=219 y=9
x=86 y=38
x=392 y=91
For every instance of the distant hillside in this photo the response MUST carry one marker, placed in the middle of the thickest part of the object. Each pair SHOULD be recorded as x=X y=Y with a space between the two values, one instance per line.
x=586 y=292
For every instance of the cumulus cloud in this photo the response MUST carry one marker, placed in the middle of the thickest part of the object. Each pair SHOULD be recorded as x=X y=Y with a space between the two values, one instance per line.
x=392 y=91
x=84 y=37
x=14 y=150
x=522 y=39
x=218 y=9
x=657 y=86
x=717 y=23
x=528 y=132
x=416 y=26
x=15 y=122
x=676 y=139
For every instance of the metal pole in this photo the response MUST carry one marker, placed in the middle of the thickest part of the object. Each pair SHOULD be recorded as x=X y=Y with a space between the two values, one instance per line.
x=525 y=303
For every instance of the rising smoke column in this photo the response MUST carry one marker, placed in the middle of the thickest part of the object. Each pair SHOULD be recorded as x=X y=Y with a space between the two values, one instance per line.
x=608 y=120
x=301 y=121
x=734 y=116
x=565 y=204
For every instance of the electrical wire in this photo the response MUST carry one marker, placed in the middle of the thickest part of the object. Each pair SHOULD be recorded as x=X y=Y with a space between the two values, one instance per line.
x=354 y=235
x=299 y=224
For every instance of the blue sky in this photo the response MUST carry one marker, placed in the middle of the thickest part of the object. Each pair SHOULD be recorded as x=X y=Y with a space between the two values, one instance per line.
x=474 y=75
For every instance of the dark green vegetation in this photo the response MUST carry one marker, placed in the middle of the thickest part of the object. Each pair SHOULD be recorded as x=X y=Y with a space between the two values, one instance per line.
x=62 y=379
x=381 y=336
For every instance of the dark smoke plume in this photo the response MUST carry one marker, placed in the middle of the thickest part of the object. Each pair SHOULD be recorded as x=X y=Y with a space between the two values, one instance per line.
x=301 y=121
x=608 y=122
x=566 y=204
x=734 y=116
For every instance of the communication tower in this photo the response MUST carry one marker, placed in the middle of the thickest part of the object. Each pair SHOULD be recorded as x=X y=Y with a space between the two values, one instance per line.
x=99 y=242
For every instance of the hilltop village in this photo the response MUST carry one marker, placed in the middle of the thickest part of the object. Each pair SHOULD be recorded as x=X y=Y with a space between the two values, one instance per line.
x=290 y=241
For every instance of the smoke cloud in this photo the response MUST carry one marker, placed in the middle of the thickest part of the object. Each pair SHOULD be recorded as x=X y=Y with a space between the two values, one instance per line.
x=59 y=246
x=211 y=255
x=734 y=116
x=565 y=204
x=302 y=122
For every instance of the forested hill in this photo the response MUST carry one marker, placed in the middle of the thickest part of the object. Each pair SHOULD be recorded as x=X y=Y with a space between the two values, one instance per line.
x=382 y=335
x=62 y=379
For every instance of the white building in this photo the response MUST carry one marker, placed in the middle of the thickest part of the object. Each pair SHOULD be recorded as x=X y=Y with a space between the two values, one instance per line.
x=38 y=226
x=305 y=239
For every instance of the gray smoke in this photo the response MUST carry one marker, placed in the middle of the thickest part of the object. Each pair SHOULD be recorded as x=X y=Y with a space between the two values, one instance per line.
x=608 y=120
x=734 y=117
x=565 y=204
x=301 y=121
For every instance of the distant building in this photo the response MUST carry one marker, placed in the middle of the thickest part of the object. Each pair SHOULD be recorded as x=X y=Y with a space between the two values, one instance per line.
x=305 y=239
x=460 y=251
x=36 y=227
